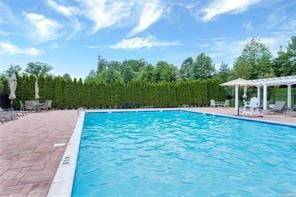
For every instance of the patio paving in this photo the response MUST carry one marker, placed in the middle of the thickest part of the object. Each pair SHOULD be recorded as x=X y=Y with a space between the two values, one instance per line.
x=28 y=159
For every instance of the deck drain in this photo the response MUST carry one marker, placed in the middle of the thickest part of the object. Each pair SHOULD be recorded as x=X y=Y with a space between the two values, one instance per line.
x=59 y=144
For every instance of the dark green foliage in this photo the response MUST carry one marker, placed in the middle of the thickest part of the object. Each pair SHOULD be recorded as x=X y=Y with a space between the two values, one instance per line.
x=102 y=65
x=185 y=69
x=224 y=72
x=38 y=68
x=67 y=93
x=285 y=63
x=202 y=68
x=165 y=72
x=254 y=61
x=147 y=73
x=13 y=69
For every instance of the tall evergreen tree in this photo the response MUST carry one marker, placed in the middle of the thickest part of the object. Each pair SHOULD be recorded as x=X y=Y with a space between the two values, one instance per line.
x=224 y=72
x=147 y=73
x=290 y=67
x=186 y=68
x=110 y=75
x=102 y=65
x=127 y=74
x=13 y=69
x=254 y=61
x=38 y=68
x=202 y=68
x=165 y=72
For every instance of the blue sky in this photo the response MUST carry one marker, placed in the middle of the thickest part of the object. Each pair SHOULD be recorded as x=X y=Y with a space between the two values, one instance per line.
x=69 y=34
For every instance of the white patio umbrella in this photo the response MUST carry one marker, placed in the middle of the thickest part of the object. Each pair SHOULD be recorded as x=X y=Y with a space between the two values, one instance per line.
x=12 y=88
x=36 y=89
x=238 y=83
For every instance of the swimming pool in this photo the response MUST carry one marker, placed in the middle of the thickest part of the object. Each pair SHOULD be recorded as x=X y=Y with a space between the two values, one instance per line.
x=180 y=153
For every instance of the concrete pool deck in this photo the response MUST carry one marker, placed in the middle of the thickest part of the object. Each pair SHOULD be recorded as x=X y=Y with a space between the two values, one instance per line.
x=29 y=160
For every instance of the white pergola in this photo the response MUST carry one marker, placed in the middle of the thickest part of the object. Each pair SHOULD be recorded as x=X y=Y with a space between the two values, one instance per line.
x=265 y=83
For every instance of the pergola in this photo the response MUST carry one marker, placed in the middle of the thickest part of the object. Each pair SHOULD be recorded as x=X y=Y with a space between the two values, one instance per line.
x=265 y=83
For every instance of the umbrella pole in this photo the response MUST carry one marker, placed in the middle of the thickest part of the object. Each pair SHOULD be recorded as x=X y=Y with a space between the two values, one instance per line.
x=238 y=109
x=11 y=103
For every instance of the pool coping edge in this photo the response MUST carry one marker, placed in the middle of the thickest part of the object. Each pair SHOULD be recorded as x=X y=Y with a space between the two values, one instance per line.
x=62 y=183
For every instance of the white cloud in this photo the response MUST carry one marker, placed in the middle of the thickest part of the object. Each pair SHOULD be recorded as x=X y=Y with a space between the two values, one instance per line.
x=248 y=25
x=67 y=11
x=110 y=13
x=42 y=29
x=7 y=48
x=150 y=13
x=6 y=15
x=138 y=43
x=218 y=7
x=106 y=13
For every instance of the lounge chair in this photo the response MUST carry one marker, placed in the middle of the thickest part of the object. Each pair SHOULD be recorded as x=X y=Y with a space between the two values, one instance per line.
x=12 y=115
x=251 y=108
x=277 y=108
x=15 y=113
x=291 y=113
x=7 y=116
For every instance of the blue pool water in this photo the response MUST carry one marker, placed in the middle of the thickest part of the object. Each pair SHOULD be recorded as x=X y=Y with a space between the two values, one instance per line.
x=179 y=153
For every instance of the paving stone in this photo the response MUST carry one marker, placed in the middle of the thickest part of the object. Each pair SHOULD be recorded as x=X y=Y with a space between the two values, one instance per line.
x=28 y=159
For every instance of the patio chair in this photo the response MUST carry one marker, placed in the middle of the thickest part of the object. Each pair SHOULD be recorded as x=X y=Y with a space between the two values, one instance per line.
x=226 y=103
x=251 y=108
x=213 y=103
x=277 y=108
x=29 y=106
x=47 y=105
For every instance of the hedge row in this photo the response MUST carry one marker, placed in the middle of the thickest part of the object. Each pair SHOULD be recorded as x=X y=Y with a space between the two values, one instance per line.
x=67 y=93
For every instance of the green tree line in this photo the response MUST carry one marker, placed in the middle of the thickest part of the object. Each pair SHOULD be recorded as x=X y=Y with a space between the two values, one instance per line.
x=67 y=93
x=255 y=61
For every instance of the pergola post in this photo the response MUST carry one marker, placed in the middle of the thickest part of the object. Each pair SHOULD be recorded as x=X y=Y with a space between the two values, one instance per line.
x=289 y=102
x=258 y=95
x=236 y=98
x=265 y=97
